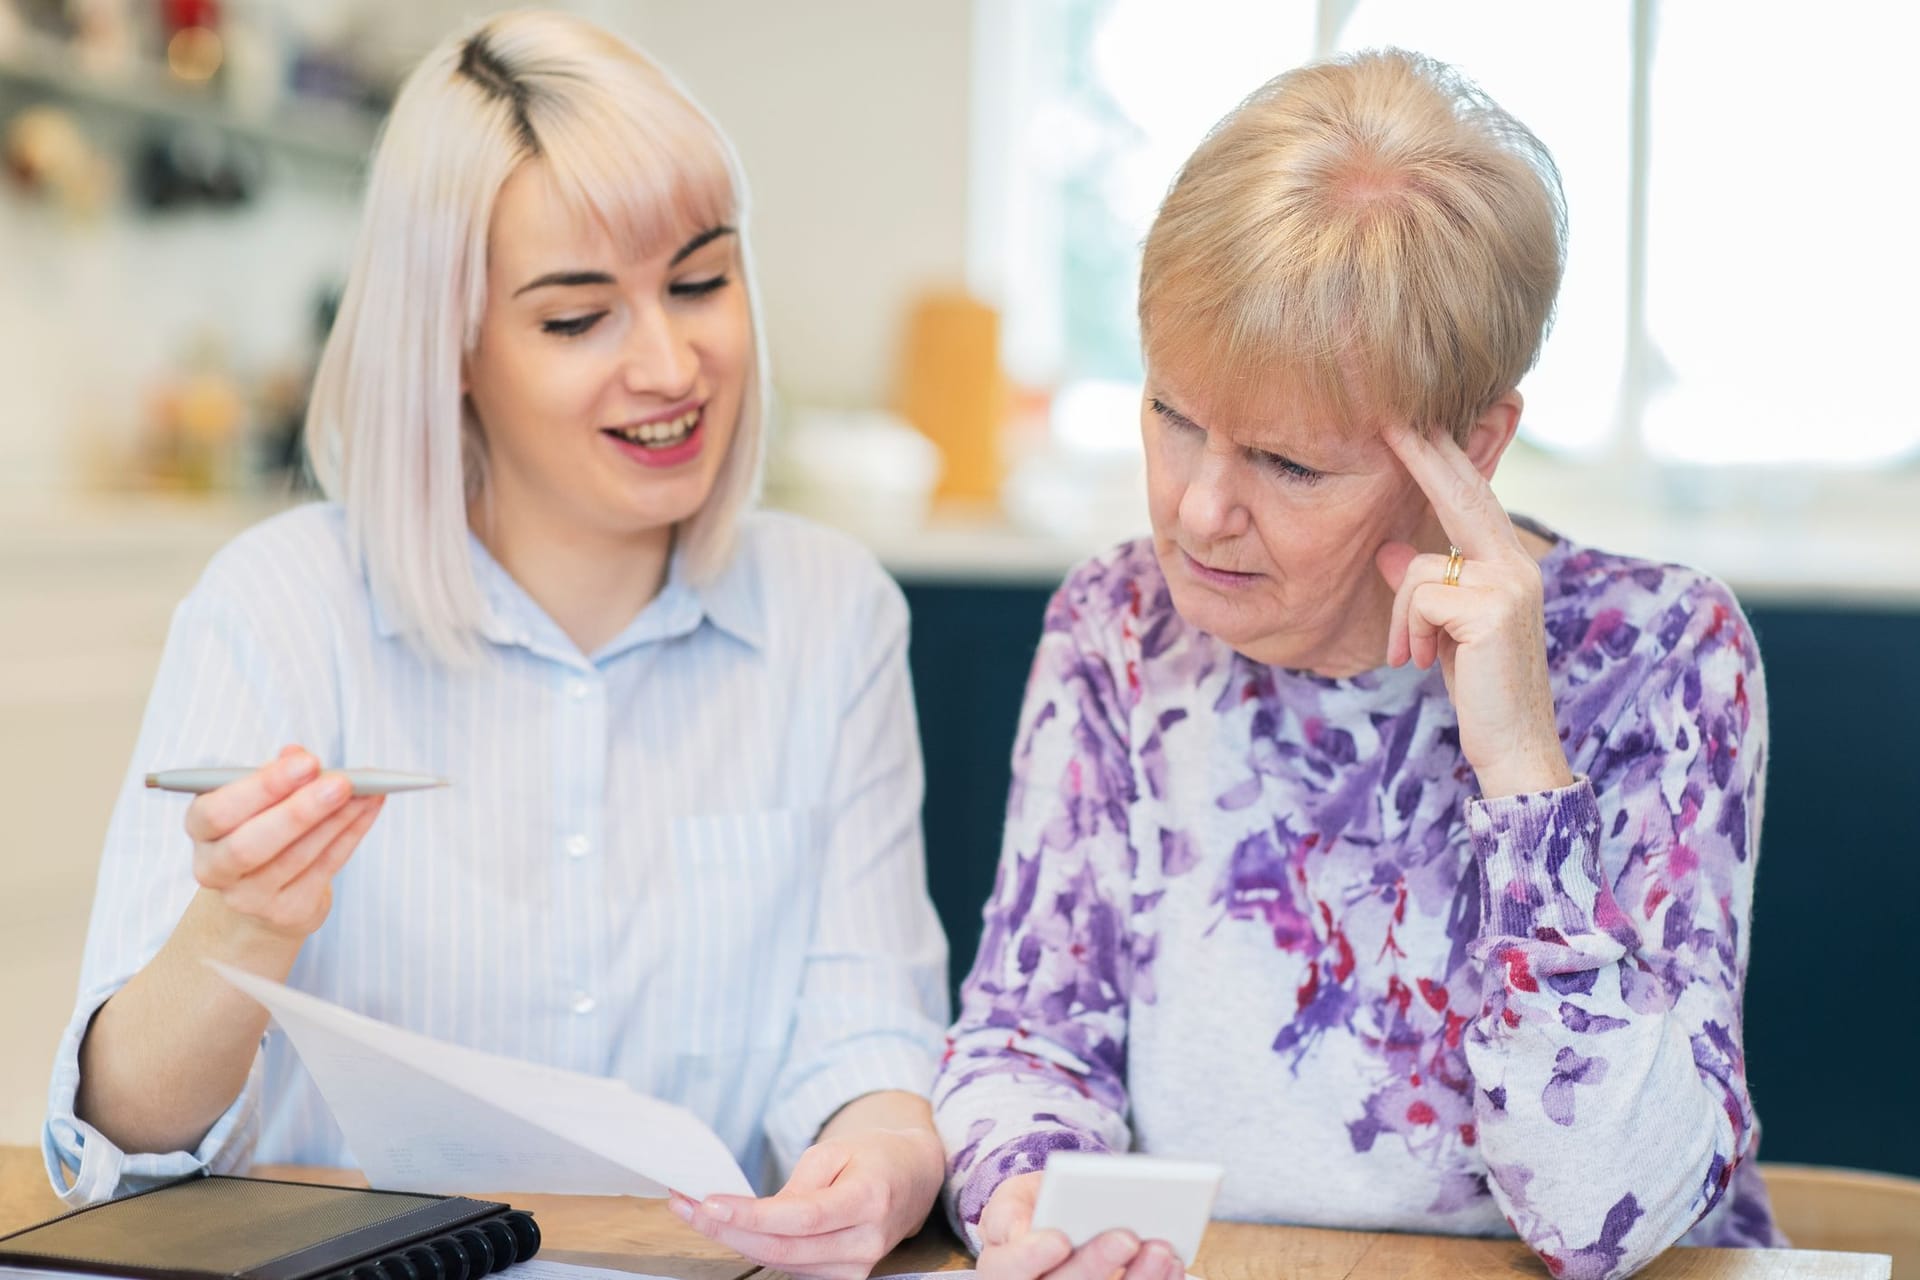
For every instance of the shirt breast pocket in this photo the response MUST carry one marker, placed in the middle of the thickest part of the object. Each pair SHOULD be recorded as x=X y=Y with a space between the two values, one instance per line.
x=745 y=889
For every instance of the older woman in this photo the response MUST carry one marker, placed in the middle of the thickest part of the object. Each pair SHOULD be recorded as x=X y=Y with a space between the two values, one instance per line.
x=683 y=848
x=1392 y=852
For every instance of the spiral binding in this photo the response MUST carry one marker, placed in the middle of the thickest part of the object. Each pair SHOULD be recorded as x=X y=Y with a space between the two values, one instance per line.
x=465 y=1253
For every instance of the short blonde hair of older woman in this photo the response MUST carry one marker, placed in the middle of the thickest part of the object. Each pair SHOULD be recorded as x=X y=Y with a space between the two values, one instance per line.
x=389 y=433
x=1366 y=238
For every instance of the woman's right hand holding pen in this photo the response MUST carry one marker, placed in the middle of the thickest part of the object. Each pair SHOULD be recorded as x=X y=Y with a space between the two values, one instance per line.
x=169 y=1051
x=270 y=844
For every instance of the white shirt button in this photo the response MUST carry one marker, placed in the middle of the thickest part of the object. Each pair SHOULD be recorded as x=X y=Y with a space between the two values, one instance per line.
x=577 y=846
x=577 y=689
x=582 y=1003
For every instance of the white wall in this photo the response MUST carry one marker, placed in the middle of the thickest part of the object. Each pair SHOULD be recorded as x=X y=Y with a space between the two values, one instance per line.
x=850 y=117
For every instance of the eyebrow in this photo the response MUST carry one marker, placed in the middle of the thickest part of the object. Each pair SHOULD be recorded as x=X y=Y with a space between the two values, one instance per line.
x=574 y=279
x=565 y=278
x=699 y=242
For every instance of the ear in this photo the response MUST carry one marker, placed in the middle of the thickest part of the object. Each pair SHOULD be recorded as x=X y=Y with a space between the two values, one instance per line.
x=1491 y=433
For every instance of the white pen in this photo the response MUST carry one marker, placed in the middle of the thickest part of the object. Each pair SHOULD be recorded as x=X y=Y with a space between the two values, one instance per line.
x=366 y=782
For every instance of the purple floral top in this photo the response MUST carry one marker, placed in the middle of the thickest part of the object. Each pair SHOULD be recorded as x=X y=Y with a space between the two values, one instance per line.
x=1258 y=916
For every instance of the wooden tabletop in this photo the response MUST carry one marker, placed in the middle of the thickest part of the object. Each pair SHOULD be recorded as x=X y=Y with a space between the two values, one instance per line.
x=640 y=1235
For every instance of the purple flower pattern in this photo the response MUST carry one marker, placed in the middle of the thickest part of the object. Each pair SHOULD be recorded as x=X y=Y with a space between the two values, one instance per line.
x=1544 y=990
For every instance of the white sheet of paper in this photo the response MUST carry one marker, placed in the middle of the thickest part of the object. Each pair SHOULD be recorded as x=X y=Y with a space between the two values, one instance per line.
x=539 y=1268
x=423 y=1115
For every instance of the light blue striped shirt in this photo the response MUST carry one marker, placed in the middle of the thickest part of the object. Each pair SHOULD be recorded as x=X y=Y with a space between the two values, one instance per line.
x=692 y=862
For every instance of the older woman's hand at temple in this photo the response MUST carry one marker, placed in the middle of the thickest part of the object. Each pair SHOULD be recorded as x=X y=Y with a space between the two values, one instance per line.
x=1484 y=623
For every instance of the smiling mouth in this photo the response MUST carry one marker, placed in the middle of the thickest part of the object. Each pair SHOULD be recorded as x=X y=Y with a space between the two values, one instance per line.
x=659 y=435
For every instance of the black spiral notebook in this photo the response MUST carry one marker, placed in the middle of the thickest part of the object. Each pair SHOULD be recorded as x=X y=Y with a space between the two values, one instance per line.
x=256 y=1229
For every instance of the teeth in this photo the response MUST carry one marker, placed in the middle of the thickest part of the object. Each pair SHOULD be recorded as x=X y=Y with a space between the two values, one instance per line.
x=657 y=434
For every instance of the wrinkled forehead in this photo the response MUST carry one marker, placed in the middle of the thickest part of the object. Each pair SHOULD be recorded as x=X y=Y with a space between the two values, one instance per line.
x=1271 y=407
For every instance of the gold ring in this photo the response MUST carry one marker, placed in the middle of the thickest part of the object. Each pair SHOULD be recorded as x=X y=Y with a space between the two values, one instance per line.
x=1454 y=560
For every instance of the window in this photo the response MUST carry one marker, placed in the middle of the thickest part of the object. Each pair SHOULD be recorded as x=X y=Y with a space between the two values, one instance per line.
x=1739 y=269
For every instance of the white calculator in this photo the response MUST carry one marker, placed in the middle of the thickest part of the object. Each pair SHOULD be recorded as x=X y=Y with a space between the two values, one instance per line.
x=1083 y=1194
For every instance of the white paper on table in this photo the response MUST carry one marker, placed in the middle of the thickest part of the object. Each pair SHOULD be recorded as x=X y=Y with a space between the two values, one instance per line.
x=538 y=1268
x=423 y=1115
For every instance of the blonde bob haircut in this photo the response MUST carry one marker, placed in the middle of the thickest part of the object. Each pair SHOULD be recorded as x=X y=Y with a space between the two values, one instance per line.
x=1363 y=239
x=389 y=434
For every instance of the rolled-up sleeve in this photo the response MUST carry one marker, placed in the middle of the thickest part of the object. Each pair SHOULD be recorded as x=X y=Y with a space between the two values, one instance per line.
x=220 y=696
x=873 y=1006
x=84 y=1163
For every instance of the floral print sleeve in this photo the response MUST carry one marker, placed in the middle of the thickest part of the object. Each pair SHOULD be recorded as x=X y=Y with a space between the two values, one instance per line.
x=1611 y=1095
x=1036 y=1061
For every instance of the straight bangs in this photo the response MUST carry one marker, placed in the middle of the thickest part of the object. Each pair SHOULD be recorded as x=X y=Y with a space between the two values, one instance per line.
x=1257 y=354
x=1361 y=241
x=641 y=161
x=1319 y=328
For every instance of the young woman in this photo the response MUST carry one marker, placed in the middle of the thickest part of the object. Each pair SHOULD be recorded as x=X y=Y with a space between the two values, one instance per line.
x=682 y=843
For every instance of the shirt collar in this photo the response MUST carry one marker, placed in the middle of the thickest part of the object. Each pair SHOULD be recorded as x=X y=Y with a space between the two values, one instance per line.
x=730 y=600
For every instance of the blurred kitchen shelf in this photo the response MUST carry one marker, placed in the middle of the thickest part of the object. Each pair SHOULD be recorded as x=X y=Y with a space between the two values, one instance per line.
x=314 y=129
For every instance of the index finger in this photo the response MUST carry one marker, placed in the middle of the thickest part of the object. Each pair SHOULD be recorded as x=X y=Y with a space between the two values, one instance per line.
x=795 y=1213
x=217 y=814
x=1468 y=510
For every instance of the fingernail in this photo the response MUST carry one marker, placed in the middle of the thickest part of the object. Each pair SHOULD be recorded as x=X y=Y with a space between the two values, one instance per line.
x=1122 y=1247
x=681 y=1209
x=335 y=789
x=301 y=767
x=717 y=1211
